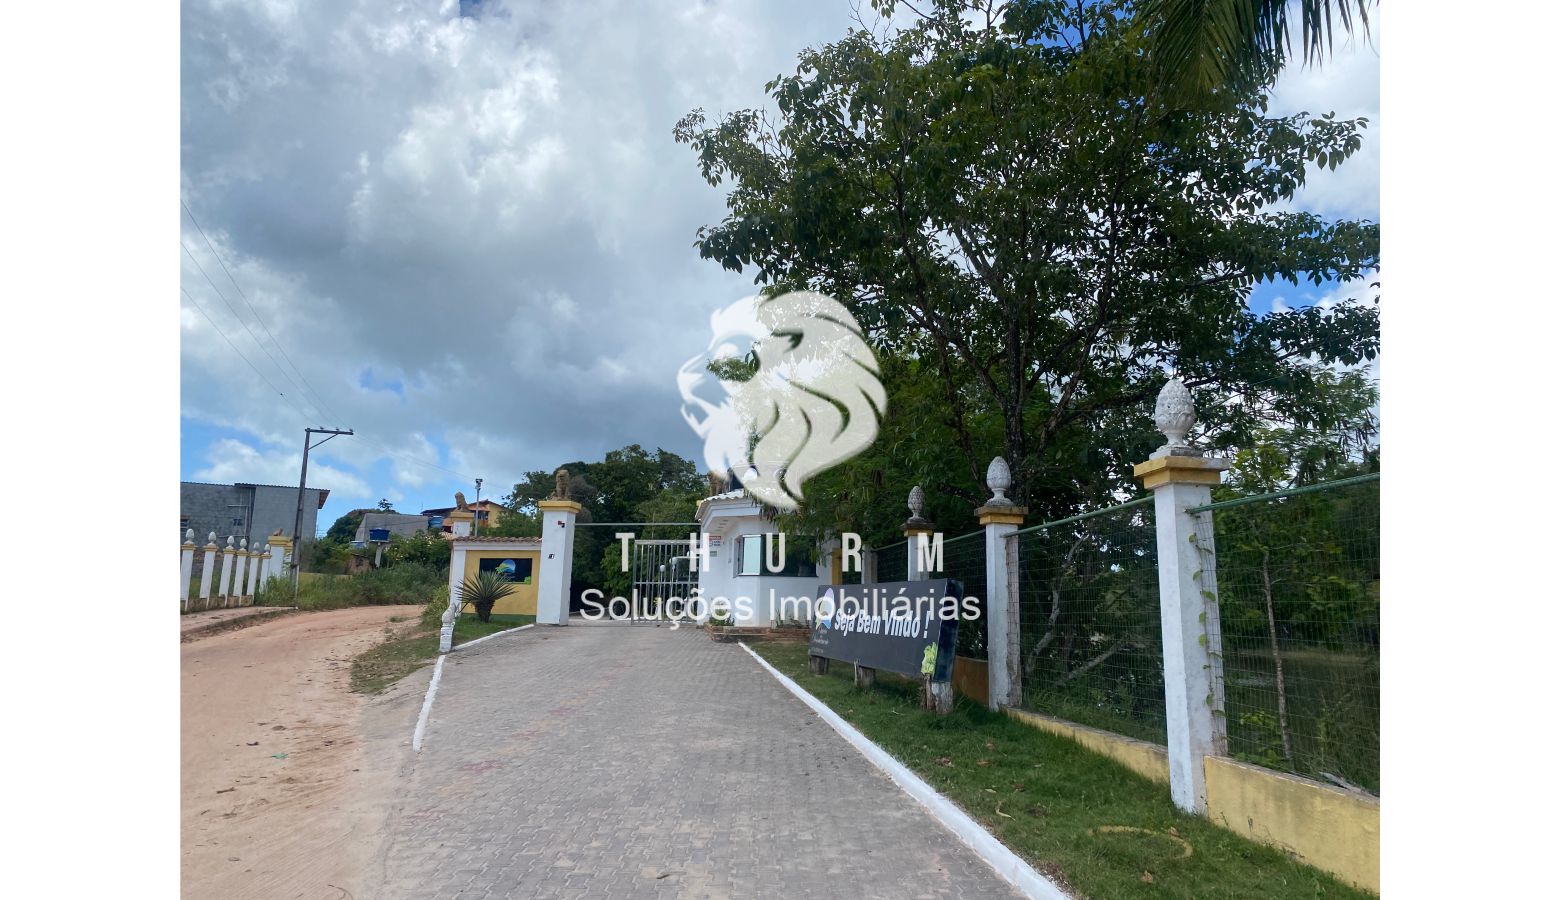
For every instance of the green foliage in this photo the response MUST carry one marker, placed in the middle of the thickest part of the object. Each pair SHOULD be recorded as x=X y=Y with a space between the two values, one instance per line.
x=1198 y=47
x=628 y=485
x=344 y=529
x=1031 y=238
x=409 y=583
x=1300 y=610
x=515 y=523
x=425 y=548
x=484 y=589
x=433 y=613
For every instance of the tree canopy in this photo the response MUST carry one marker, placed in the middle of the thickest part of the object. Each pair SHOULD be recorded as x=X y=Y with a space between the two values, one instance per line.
x=1034 y=240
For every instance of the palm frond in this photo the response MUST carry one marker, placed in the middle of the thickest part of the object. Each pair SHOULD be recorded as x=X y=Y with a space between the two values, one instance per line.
x=1199 y=46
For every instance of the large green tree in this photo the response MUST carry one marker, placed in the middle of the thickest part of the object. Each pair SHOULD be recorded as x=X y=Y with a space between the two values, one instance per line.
x=1011 y=212
x=630 y=484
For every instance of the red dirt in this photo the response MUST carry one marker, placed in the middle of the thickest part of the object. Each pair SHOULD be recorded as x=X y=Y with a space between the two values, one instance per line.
x=308 y=824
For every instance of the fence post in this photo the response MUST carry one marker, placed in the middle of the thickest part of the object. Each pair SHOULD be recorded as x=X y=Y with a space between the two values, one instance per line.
x=186 y=568
x=276 y=562
x=936 y=695
x=225 y=578
x=452 y=610
x=207 y=569
x=552 y=583
x=917 y=532
x=240 y=569
x=255 y=573
x=1181 y=478
x=1000 y=517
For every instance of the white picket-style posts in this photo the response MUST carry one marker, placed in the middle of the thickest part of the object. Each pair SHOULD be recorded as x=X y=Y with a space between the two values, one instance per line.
x=208 y=567
x=254 y=572
x=225 y=578
x=241 y=570
x=186 y=568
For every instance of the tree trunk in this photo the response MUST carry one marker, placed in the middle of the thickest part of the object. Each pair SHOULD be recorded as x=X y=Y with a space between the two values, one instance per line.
x=1278 y=661
x=484 y=611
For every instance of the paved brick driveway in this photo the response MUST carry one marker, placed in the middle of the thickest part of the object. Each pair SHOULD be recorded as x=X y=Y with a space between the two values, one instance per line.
x=627 y=761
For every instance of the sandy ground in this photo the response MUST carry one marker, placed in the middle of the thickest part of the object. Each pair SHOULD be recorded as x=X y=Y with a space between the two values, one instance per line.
x=307 y=825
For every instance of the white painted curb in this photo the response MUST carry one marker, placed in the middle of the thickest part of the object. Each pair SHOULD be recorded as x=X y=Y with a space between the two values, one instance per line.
x=433 y=683
x=427 y=707
x=1007 y=864
x=489 y=637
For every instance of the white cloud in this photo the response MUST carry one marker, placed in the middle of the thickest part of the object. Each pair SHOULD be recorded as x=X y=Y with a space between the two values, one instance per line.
x=230 y=460
x=492 y=212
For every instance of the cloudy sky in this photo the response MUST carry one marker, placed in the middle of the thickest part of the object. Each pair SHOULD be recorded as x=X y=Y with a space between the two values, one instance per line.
x=463 y=229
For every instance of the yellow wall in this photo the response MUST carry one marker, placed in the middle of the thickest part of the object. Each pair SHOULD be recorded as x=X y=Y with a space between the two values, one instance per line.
x=1330 y=828
x=522 y=602
x=970 y=679
x=1149 y=760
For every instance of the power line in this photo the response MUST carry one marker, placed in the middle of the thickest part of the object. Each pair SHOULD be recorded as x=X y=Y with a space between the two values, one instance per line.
x=241 y=355
x=310 y=394
x=309 y=388
x=251 y=332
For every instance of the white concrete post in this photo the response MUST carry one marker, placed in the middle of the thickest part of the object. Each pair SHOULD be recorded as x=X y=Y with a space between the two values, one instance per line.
x=186 y=568
x=552 y=583
x=452 y=611
x=240 y=562
x=208 y=567
x=254 y=573
x=276 y=564
x=1180 y=478
x=1000 y=517
x=918 y=532
x=229 y=560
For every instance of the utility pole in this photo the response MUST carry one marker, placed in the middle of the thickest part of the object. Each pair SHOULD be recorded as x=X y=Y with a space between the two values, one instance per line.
x=303 y=476
x=476 y=514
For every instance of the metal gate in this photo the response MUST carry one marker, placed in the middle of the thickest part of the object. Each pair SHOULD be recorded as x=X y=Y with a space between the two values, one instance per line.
x=658 y=571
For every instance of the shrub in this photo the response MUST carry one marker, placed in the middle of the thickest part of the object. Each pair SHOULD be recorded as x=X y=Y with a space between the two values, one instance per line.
x=484 y=589
x=405 y=583
x=433 y=613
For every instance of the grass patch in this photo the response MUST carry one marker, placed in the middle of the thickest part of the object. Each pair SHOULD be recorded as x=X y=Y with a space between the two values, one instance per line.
x=403 y=583
x=409 y=648
x=1040 y=794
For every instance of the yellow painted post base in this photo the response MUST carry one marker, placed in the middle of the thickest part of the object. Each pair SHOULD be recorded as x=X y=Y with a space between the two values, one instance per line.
x=1001 y=515
x=1179 y=470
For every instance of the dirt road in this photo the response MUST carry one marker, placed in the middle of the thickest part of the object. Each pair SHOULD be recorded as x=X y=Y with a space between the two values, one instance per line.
x=286 y=775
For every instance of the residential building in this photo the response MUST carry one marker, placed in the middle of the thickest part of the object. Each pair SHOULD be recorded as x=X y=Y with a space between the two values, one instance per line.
x=485 y=513
x=246 y=510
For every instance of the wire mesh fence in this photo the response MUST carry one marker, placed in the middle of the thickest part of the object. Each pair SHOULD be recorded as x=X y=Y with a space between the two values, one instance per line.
x=1089 y=635
x=892 y=561
x=1299 y=578
x=964 y=558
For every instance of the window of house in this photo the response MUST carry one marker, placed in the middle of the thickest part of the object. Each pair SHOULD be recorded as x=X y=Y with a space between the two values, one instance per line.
x=751 y=559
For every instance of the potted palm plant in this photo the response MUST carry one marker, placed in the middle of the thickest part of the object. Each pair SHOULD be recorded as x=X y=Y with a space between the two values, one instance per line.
x=484 y=589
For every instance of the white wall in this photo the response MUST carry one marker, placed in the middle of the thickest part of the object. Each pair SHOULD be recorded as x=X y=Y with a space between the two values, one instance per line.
x=731 y=520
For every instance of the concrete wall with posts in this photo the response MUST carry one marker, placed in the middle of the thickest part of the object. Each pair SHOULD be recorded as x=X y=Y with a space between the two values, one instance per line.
x=1333 y=829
